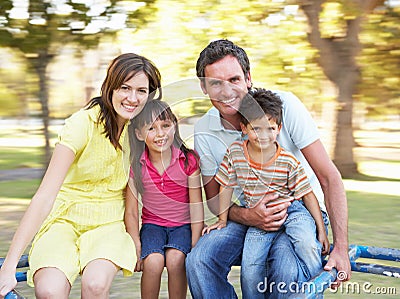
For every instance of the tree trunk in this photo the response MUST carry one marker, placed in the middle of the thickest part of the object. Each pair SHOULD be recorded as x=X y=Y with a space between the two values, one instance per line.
x=337 y=60
x=344 y=139
x=40 y=64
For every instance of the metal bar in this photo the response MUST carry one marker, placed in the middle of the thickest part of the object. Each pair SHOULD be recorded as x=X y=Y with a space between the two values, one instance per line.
x=20 y=276
x=379 y=253
x=22 y=263
x=14 y=295
x=315 y=287
x=376 y=269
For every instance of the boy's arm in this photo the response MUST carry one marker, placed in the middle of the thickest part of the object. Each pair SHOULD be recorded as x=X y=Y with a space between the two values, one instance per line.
x=225 y=196
x=311 y=203
x=196 y=206
x=131 y=218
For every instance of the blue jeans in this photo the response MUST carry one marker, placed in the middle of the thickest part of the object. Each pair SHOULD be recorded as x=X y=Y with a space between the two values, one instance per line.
x=210 y=261
x=301 y=230
x=157 y=238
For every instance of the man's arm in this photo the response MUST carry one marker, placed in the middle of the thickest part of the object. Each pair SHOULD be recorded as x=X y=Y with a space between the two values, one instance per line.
x=258 y=216
x=335 y=201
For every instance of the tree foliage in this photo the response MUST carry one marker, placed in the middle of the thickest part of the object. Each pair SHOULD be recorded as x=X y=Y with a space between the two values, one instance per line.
x=41 y=28
x=358 y=38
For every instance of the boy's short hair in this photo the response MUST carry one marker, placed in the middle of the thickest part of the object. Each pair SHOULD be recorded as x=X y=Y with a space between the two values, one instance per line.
x=259 y=102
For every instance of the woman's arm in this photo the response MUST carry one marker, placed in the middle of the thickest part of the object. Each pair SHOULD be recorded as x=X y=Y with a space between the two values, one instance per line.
x=196 y=206
x=131 y=218
x=38 y=209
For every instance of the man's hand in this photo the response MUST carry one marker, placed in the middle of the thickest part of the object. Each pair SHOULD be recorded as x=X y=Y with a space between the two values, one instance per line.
x=339 y=259
x=268 y=219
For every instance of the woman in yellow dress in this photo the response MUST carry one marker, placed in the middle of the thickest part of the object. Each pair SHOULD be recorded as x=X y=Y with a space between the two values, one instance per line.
x=77 y=212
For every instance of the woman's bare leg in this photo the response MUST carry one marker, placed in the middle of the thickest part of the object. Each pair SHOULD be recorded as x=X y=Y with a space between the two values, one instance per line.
x=51 y=283
x=97 y=278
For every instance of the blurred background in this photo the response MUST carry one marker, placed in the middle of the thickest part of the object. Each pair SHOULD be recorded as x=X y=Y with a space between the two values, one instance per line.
x=340 y=57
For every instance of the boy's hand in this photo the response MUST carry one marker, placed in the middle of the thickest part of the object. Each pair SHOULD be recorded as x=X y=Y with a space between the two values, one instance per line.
x=323 y=239
x=217 y=225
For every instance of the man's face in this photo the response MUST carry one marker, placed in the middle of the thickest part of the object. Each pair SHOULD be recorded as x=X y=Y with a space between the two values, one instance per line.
x=226 y=84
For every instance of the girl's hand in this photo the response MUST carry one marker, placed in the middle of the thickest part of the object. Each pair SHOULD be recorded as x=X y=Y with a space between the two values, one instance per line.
x=139 y=262
x=217 y=225
x=7 y=282
x=139 y=265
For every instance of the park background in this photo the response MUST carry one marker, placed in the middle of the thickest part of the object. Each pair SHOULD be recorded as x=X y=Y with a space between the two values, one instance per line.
x=341 y=58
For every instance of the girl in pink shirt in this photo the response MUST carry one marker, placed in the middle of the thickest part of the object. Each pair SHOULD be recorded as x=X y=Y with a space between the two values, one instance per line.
x=165 y=176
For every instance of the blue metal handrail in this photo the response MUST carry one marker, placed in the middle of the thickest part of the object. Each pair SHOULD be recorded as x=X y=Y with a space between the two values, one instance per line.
x=19 y=275
x=311 y=289
x=317 y=285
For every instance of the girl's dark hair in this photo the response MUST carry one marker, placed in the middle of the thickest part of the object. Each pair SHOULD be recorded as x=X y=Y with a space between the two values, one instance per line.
x=259 y=102
x=122 y=69
x=152 y=111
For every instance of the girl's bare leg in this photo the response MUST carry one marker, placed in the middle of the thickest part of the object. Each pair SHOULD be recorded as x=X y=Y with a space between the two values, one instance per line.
x=97 y=278
x=177 y=283
x=153 y=266
x=51 y=283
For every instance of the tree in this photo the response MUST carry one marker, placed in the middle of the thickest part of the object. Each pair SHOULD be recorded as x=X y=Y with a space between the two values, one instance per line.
x=337 y=58
x=39 y=29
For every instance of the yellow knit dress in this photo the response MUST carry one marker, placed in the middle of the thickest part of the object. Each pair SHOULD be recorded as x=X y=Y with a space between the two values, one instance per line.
x=86 y=221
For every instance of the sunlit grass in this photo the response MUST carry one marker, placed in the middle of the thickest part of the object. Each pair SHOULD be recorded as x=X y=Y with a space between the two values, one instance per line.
x=19 y=189
x=20 y=157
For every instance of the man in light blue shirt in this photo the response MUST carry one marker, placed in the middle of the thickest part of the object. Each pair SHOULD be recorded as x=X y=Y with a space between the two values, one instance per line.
x=224 y=72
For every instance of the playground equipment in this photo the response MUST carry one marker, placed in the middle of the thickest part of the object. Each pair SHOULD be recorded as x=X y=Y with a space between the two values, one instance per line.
x=313 y=288
x=316 y=286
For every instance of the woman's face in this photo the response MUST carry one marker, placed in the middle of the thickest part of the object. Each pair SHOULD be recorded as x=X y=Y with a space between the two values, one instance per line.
x=129 y=99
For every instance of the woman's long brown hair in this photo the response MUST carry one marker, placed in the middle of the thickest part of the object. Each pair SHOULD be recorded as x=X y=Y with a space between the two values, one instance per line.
x=122 y=69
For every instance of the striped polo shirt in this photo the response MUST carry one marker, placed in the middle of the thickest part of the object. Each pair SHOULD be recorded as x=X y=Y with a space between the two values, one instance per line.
x=282 y=173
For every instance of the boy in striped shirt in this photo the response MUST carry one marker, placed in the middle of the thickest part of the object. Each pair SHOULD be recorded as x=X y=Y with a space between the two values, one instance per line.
x=260 y=166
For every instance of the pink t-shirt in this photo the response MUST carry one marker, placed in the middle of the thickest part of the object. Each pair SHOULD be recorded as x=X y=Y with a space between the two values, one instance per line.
x=166 y=197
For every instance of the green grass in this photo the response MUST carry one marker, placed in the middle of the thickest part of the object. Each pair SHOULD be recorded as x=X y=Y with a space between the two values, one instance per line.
x=18 y=157
x=374 y=220
x=19 y=189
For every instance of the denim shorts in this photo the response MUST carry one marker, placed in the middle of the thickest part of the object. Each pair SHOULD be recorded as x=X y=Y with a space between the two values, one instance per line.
x=156 y=238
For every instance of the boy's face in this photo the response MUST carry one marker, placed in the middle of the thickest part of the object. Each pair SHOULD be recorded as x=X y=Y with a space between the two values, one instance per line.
x=225 y=84
x=261 y=132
